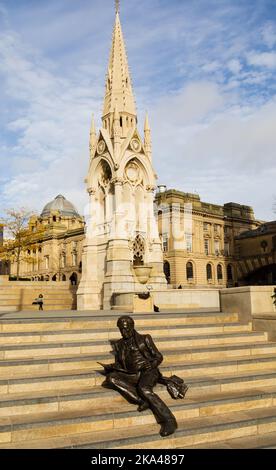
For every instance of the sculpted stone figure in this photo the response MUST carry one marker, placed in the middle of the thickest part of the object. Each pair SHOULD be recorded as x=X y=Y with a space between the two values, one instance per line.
x=135 y=373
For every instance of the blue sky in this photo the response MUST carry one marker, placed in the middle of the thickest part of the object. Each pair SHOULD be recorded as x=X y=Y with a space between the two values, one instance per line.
x=204 y=70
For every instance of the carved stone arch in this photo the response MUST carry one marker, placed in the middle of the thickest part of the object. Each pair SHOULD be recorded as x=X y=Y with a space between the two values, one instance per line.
x=143 y=164
x=104 y=174
x=104 y=190
x=95 y=167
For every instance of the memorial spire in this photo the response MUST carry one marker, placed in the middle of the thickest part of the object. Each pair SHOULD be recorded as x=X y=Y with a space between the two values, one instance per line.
x=118 y=88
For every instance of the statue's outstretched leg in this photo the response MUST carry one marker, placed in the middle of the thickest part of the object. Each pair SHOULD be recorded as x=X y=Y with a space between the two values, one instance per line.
x=160 y=410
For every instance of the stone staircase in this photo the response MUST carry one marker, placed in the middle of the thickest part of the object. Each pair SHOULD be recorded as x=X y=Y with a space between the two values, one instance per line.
x=51 y=394
x=17 y=296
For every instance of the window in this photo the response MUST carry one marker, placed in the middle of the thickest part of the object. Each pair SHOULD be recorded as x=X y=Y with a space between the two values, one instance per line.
x=219 y=272
x=138 y=251
x=209 y=272
x=216 y=247
x=74 y=259
x=205 y=227
x=165 y=242
x=190 y=270
x=167 y=271
x=189 y=242
x=206 y=246
x=226 y=249
x=229 y=273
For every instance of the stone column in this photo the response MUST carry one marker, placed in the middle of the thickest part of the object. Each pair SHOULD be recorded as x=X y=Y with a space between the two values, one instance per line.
x=155 y=256
x=119 y=275
x=88 y=294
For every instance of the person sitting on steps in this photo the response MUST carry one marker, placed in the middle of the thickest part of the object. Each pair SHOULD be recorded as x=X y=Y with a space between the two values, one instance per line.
x=39 y=301
x=135 y=373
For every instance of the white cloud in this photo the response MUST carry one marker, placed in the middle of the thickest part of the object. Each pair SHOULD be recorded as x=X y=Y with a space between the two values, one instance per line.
x=262 y=59
x=195 y=101
x=234 y=66
x=228 y=156
x=51 y=127
x=269 y=34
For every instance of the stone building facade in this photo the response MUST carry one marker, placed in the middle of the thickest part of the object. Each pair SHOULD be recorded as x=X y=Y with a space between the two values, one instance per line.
x=56 y=256
x=199 y=239
x=203 y=244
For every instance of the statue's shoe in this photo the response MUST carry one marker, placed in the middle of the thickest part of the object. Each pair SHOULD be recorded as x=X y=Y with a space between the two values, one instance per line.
x=168 y=428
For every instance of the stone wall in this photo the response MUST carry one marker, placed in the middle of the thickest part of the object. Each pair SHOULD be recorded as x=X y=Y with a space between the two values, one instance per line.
x=174 y=299
x=247 y=301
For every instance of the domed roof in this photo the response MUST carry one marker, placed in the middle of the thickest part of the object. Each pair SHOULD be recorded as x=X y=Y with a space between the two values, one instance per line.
x=60 y=204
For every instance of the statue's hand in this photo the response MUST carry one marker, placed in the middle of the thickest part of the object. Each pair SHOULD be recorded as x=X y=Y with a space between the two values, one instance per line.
x=148 y=366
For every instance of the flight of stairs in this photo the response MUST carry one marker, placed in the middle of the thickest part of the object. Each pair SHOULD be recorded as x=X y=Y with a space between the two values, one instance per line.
x=17 y=296
x=51 y=394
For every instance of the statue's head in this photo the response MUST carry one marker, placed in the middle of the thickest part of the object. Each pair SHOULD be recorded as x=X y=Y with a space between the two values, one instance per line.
x=126 y=326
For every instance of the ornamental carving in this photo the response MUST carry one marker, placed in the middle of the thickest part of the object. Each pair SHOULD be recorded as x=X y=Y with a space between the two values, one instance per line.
x=133 y=173
x=101 y=147
x=135 y=145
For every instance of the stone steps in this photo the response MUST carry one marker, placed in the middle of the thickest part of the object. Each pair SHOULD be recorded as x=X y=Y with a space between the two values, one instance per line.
x=90 y=431
x=172 y=363
x=256 y=441
x=20 y=297
x=80 y=357
x=50 y=393
x=108 y=322
x=63 y=381
x=86 y=396
x=39 y=349
x=189 y=332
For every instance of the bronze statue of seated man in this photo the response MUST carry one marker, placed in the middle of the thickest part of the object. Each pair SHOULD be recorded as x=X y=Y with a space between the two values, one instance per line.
x=135 y=373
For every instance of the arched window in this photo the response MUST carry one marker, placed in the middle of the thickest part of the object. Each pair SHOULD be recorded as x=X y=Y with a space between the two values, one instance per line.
x=209 y=272
x=63 y=277
x=219 y=272
x=229 y=273
x=54 y=278
x=167 y=271
x=74 y=279
x=190 y=270
x=138 y=251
